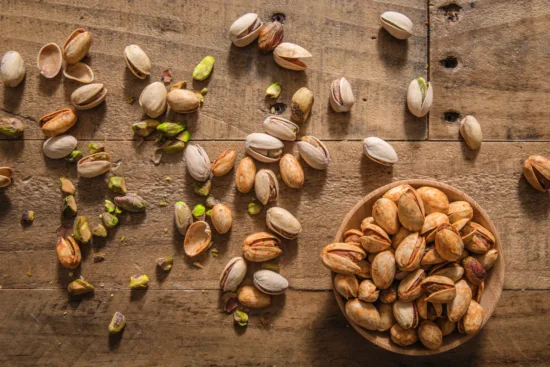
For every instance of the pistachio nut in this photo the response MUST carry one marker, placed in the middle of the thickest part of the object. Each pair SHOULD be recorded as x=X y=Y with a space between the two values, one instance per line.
x=450 y=270
x=448 y=243
x=203 y=188
x=300 y=107
x=386 y=316
x=341 y=96
x=374 y=239
x=57 y=122
x=221 y=217
x=233 y=274
x=172 y=147
x=536 y=170
x=434 y=200
x=379 y=151
x=430 y=335
x=283 y=223
x=245 y=175
x=94 y=148
x=406 y=314
x=489 y=259
x=431 y=257
x=401 y=274
x=80 y=72
x=477 y=238
x=420 y=97
x=363 y=314
x=109 y=220
x=145 y=128
x=428 y=310
x=266 y=186
x=49 y=60
x=314 y=152
x=153 y=99
x=118 y=322
x=394 y=194
x=204 y=68
x=409 y=288
x=397 y=24
x=197 y=238
x=183 y=101
x=76 y=46
x=458 y=307
x=261 y=246
x=472 y=320
x=366 y=221
x=100 y=231
x=12 y=69
x=399 y=237
x=477 y=291
x=446 y=326
x=139 y=281
x=94 y=165
x=403 y=337
x=383 y=269
x=59 y=146
x=270 y=36
x=411 y=210
x=117 y=184
x=342 y=258
x=252 y=297
x=270 y=282
x=474 y=271
x=239 y=317
x=281 y=128
x=199 y=212
x=81 y=230
x=263 y=147
x=198 y=163
x=137 y=61
x=353 y=236
x=471 y=132
x=273 y=91
x=384 y=212
x=74 y=156
x=346 y=285
x=245 y=30
x=431 y=222
x=410 y=252
x=11 y=127
x=165 y=263
x=67 y=186
x=68 y=252
x=291 y=171
x=368 y=291
x=69 y=208
x=459 y=210
x=182 y=217
x=224 y=163
x=170 y=129
x=79 y=287
x=389 y=295
x=288 y=55
x=364 y=272
x=131 y=203
x=440 y=289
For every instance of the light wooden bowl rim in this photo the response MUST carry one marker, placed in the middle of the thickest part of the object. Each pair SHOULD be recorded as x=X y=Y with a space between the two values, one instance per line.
x=493 y=284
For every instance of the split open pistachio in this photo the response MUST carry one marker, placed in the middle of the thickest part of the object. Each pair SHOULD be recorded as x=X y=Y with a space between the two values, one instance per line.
x=245 y=29
x=12 y=69
x=224 y=163
x=341 y=95
x=49 y=60
x=342 y=258
x=397 y=24
x=137 y=61
x=536 y=170
x=57 y=122
x=283 y=223
x=281 y=128
x=420 y=97
x=233 y=274
x=314 y=152
x=288 y=55
x=94 y=165
x=270 y=36
x=263 y=147
x=261 y=246
x=88 y=96
x=68 y=252
x=266 y=186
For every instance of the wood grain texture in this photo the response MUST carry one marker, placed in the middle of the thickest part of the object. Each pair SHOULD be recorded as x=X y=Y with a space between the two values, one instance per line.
x=501 y=77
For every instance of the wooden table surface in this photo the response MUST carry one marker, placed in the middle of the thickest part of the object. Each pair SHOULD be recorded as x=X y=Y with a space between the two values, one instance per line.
x=502 y=51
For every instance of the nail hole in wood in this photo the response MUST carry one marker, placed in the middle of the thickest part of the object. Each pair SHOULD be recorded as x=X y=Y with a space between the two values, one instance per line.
x=278 y=108
x=449 y=62
x=278 y=17
x=450 y=12
x=451 y=116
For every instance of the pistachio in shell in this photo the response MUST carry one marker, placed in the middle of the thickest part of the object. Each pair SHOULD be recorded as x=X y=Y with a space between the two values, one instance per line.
x=270 y=282
x=59 y=146
x=403 y=337
x=430 y=335
x=536 y=170
x=57 y=122
x=434 y=200
x=399 y=237
x=383 y=269
x=420 y=97
x=451 y=270
x=281 y=128
x=245 y=175
x=221 y=218
x=283 y=223
x=458 y=306
x=353 y=236
x=183 y=217
x=387 y=320
x=406 y=314
x=252 y=297
x=137 y=61
x=489 y=259
x=291 y=171
x=12 y=69
x=363 y=314
x=233 y=274
x=261 y=246
x=440 y=289
x=289 y=55
x=475 y=273
x=448 y=242
x=477 y=238
x=341 y=95
x=183 y=101
x=314 y=152
x=472 y=320
x=410 y=287
x=379 y=151
x=76 y=46
x=245 y=29
x=197 y=238
x=459 y=210
x=342 y=258
x=263 y=147
x=446 y=326
x=270 y=36
x=431 y=222
x=368 y=291
x=68 y=252
x=470 y=129
x=153 y=99
x=389 y=295
x=346 y=285
x=410 y=210
x=374 y=239
x=197 y=162
x=384 y=212
x=266 y=186
x=410 y=252
x=224 y=163
x=397 y=24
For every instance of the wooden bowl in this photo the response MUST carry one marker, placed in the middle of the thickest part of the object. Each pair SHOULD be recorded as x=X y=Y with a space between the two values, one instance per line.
x=493 y=283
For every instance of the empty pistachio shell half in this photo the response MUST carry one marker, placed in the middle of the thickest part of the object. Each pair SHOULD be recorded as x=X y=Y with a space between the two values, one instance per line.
x=288 y=55
x=470 y=129
x=341 y=96
x=363 y=314
x=245 y=175
x=270 y=282
x=420 y=97
x=94 y=165
x=281 y=128
x=291 y=171
x=49 y=60
x=245 y=30
x=88 y=96
x=137 y=61
x=80 y=72
x=5 y=176
x=300 y=107
x=153 y=99
x=57 y=122
x=536 y=170
x=397 y=24
x=379 y=151
x=12 y=69
x=283 y=223
x=233 y=274
x=314 y=152
x=76 y=46
x=197 y=238
x=198 y=163
x=59 y=146
x=266 y=186
x=263 y=147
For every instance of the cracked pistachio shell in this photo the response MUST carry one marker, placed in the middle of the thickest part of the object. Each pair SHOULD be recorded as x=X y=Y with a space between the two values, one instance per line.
x=12 y=69
x=270 y=282
x=197 y=238
x=182 y=217
x=266 y=186
x=88 y=96
x=364 y=266
x=204 y=68
x=183 y=101
x=233 y=274
x=368 y=291
x=341 y=96
x=80 y=286
x=374 y=239
x=406 y=314
x=386 y=316
x=252 y=297
x=291 y=171
x=221 y=218
x=471 y=132
x=440 y=289
x=5 y=176
x=80 y=72
x=450 y=270
x=410 y=252
x=379 y=151
x=198 y=163
x=536 y=170
x=399 y=237
x=77 y=46
x=366 y=221
x=446 y=326
x=409 y=288
x=261 y=246
x=270 y=36
x=428 y=310
x=137 y=61
x=281 y=128
x=288 y=55
x=403 y=337
x=117 y=323
x=94 y=165
x=245 y=175
x=49 y=60
x=363 y=314
x=11 y=127
x=59 y=146
x=458 y=307
x=224 y=163
x=245 y=30
x=431 y=257
x=434 y=200
x=314 y=152
x=411 y=210
x=131 y=203
x=300 y=107
x=477 y=238
x=57 y=122
x=68 y=252
x=397 y=24
x=153 y=99
x=448 y=243
x=342 y=258
x=460 y=210
x=263 y=147
x=389 y=295
x=384 y=212
x=473 y=319
x=420 y=97
x=283 y=223
x=489 y=259
x=383 y=269
x=353 y=236
x=430 y=335
x=431 y=222
x=394 y=194
x=346 y=285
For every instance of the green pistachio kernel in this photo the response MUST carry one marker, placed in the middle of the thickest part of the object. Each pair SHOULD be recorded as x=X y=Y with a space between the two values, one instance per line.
x=240 y=318
x=170 y=129
x=96 y=148
x=273 y=91
x=139 y=281
x=199 y=211
x=109 y=220
x=254 y=208
x=204 y=68
x=117 y=184
x=74 y=157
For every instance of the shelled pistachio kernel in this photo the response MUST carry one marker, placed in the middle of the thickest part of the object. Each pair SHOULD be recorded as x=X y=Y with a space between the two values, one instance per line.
x=139 y=281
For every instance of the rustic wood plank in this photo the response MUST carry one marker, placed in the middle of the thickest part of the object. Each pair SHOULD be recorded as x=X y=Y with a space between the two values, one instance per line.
x=493 y=178
x=344 y=37
x=501 y=78
x=187 y=328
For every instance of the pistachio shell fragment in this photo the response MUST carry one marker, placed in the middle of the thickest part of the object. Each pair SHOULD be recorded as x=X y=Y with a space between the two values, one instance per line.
x=80 y=72
x=12 y=69
x=342 y=258
x=314 y=152
x=57 y=122
x=266 y=186
x=197 y=163
x=379 y=151
x=283 y=223
x=536 y=170
x=341 y=95
x=233 y=274
x=245 y=175
x=300 y=107
x=224 y=163
x=59 y=146
x=252 y=297
x=245 y=29
x=263 y=147
x=281 y=128
x=471 y=132
x=153 y=99
x=291 y=171
x=197 y=238
x=363 y=314
x=11 y=127
x=49 y=60
x=261 y=246
x=204 y=68
x=419 y=97
x=137 y=61
x=288 y=55
x=270 y=282
x=397 y=24
x=94 y=165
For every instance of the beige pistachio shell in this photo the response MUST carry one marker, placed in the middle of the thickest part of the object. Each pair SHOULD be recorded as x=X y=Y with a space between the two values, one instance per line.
x=346 y=285
x=410 y=252
x=403 y=337
x=221 y=218
x=341 y=95
x=291 y=171
x=59 y=146
x=251 y=297
x=353 y=236
x=410 y=288
x=266 y=186
x=342 y=258
x=281 y=128
x=245 y=30
x=137 y=61
x=411 y=210
x=383 y=269
x=419 y=101
x=430 y=335
x=366 y=221
x=428 y=310
x=470 y=129
x=458 y=307
x=489 y=259
x=384 y=212
x=477 y=238
x=183 y=217
x=364 y=272
x=12 y=69
x=263 y=147
x=536 y=170
x=397 y=24
x=368 y=291
x=448 y=242
x=153 y=99
x=446 y=326
x=183 y=101
x=233 y=274
x=386 y=316
x=76 y=46
x=224 y=163
x=431 y=257
x=374 y=239
x=270 y=282
x=261 y=246
x=288 y=55
x=5 y=176
x=88 y=96
x=399 y=237
x=283 y=223
x=394 y=194
x=379 y=151
x=245 y=175
x=431 y=222
x=197 y=238
x=450 y=270
x=440 y=289
x=80 y=72
x=314 y=152
x=434 y=200
x=406 y=314
x=363 y=314
x=94 y=165
x=49 y=60
x=197 y=162
x=460 y=210
x=472 y=320
x=389 y=295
